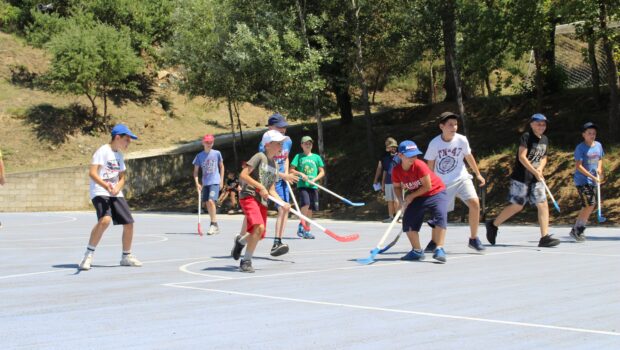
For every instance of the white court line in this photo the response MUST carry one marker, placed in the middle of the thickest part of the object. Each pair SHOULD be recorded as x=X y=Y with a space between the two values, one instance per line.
x=71 y=219
x=184 y=269
x=30 y=274
x=161 y=239
x=399 y=311
x=575 y=253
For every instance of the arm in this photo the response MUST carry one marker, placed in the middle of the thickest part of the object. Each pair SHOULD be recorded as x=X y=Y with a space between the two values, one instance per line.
x=196 y=180
x=472 y=164
x=93 y=173
x=320 y=175
x=580 y=168
x=398 y=192
x=221 y=175
x=121 y=183
x=528 y=166
x=431 y=164
x=426 y=186
x=599 y=171
x=378 y=173
x=245 y=177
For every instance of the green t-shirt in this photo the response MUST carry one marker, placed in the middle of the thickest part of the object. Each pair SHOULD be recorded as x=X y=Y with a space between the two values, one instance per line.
x=309 y=165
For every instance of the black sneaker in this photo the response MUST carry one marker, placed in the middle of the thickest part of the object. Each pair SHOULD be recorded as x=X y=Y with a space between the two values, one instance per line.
x=279 y=248
x=548 y=241
x=430 y=247
x=574 y=233
x=474 y=243
x=580 y=233
x=237 y=248
x=246 y=266
x=491 y=231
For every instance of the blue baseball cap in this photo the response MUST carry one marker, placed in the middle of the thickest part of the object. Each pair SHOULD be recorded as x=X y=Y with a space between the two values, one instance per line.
x=408 y=149
x=589 y=125
x=277 y=120
x=538 y=118
x=122 y=129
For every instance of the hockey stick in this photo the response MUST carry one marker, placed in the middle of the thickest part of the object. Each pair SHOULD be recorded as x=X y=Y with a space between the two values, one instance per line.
x=355 y=204
x=339 y=238
x=199 y=210
x=387 y=247
x=599 y=216
x=555 y=204
x=376 y=250
x=302 y=221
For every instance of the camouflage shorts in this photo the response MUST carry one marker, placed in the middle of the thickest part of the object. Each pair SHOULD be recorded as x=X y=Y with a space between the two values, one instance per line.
x=522 y=194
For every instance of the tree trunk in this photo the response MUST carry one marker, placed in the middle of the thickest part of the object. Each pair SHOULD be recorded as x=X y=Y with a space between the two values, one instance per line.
x=487 y=83
x=596 y=75
x=105 y=105
x=448 y=26
x=539 y=79
x=612 y=74
x=359 y=66
x=343 y=100
x=431 y=90
x=239 y=124
x=459 y=93
x=232 y=129
x=92 y=102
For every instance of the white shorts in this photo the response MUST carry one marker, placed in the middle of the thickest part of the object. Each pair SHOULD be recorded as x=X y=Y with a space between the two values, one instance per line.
x=389 y=193
x=461 y=189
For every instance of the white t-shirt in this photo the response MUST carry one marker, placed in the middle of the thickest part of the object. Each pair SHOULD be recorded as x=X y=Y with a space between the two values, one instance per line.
x=449 y=158
x=111 y=165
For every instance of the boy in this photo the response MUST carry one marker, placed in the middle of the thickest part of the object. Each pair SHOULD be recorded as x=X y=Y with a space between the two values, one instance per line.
x=384 y=169
x=445 y=155
x=424 y=191
x=2 y=179
x=232 y=189
x=212 y=165
x=311 y=167
x=526 y=182
x=258 y=180
x=107 y=178
x=589 y=171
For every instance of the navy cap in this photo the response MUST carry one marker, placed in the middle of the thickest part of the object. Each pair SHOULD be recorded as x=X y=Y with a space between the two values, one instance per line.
x=538 y=118
x=447 y=115
x=589 y=125
x=408 y=149
x=277 y=120
x=122 y=129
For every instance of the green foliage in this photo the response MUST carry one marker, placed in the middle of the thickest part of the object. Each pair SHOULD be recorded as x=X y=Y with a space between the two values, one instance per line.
x=92 y=60
x=9 y=16
x=43 y=27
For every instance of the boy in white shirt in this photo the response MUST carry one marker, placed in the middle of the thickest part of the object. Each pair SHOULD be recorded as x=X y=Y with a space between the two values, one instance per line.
x=445 y=155
x=107 y=178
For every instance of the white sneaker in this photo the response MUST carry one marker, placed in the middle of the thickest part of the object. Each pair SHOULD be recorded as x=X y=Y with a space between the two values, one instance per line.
x=85 y=263
x=130 y=260
x=213 y=230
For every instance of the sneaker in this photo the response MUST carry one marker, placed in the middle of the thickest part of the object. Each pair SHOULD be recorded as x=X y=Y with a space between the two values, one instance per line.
x=213 y=230
x=491 y=231
x=300 y=231
x=431 y=223
x=308 y=235
x=279 y=248
x=575 y=233
x=130 y=260
x=86 y=262
x=476 y=244
x=548 y=241
x=413 y=255
x=439 y=255
x=430 y=247
x=246 y=266
x=237 y=248
x=580 y=233
x=387 y=220
x=400 y=219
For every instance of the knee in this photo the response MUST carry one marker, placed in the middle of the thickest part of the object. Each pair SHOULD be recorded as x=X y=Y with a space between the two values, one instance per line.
x=105 y=221
x=474 y=205
x=259 y=229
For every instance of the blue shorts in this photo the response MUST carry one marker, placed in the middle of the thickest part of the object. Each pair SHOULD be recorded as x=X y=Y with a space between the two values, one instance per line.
x=309 y=197
x=436 y=206
x=210 y=192
x=282 y=190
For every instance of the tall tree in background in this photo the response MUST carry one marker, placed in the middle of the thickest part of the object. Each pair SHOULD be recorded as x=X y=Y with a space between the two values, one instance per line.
x=612 y=70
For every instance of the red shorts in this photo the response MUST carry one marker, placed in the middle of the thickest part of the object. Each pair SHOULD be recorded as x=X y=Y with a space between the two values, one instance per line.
x=255 y=213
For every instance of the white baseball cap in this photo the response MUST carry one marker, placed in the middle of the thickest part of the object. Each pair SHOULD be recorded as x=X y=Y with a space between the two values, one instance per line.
x=273 y=136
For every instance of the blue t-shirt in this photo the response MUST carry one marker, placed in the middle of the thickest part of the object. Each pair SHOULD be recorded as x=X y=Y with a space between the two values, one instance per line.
x=210 y=165
x=280 y=158
x=387 y=163
x=589 y=157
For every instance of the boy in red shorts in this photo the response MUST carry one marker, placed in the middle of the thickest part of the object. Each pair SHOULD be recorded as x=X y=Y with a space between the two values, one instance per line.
x=257 y=183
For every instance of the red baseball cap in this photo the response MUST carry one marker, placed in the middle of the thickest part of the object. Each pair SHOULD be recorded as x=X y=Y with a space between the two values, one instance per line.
x=208 y=138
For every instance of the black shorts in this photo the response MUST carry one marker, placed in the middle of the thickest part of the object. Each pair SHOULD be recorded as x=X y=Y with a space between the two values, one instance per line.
x=309 y=197
x=116 y=207
x=587 y=193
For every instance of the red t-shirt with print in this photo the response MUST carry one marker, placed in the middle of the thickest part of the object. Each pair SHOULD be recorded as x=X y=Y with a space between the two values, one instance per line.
x=410 y=179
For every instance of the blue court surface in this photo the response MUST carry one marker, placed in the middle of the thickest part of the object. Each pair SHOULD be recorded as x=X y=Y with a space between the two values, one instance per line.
x=190 y=295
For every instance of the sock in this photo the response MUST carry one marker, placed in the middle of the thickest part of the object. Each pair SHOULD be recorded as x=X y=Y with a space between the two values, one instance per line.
x=126 y=252
x=243 y=241
x=418 y=250
x=90 y=250
x=248 y=255
x=214 y=224
x=580 y=223
x=277 y=240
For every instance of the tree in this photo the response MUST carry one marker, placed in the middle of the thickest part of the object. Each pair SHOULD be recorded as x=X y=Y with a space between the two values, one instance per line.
x=612 y=70
x=94 y=60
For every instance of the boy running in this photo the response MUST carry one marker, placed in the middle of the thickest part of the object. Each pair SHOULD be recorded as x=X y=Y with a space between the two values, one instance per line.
x=107 y=178
x=311 y=167
x=212 y=165
x=258 y=180
x=445 y=155
x=526 y=182
x=424 y=191
x=589 y=171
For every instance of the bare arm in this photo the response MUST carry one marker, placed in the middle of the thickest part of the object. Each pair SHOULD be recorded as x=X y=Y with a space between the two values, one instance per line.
x=528 y=166
x=580 y=168
x=196 y=180
x=426 y=186
x=320 y=175
x=378 y=173
x=221 y=175
x=471 y=161
x=93 y=173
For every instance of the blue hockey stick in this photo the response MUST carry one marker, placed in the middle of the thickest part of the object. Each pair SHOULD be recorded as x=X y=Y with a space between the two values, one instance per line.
x=377 y=249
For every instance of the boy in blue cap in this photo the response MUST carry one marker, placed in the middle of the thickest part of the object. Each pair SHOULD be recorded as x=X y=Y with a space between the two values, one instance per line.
x=588 y=172
x=107 y=178
x=526 y=182
x=424 y=192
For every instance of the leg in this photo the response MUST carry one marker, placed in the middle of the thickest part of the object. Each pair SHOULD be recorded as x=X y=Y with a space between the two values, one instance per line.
x=127 y=237
x=414 y=239
x=507 y=213
x=212 y=210
x=543 y=218
x=282 y=190
x=474 y=216
x=97 y=232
